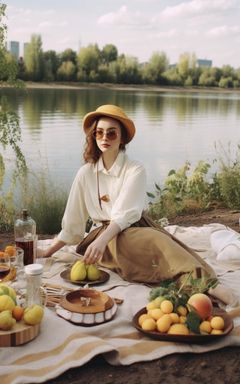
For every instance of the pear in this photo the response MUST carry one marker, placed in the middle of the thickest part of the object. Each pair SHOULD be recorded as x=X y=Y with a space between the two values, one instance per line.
x=33 y=315
x=93 y=273
x=78 y=271
x=6 y=320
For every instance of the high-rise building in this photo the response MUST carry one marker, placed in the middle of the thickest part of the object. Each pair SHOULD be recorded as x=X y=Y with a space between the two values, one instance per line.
x=14 y=49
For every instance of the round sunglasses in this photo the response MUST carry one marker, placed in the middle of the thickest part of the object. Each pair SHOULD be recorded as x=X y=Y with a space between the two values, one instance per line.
x=110 y=134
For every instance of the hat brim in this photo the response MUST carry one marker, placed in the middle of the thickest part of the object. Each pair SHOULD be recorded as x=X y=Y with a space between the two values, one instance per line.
x=127 y=123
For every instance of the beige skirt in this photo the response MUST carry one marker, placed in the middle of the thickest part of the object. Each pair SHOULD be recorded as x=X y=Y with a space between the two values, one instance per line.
x=147 y=253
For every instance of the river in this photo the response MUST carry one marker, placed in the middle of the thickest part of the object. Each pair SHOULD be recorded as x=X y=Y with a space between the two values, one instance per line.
x=172 y=127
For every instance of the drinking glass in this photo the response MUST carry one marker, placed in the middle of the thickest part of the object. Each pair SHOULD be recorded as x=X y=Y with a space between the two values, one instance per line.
x=5 y=265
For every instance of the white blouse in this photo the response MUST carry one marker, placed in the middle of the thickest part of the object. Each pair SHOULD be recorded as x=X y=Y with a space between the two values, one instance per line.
x=124 y=184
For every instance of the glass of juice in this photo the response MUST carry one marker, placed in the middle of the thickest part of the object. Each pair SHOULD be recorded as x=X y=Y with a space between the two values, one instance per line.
x=5 y=265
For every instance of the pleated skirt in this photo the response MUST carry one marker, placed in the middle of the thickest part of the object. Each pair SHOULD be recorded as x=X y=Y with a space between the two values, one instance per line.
x=147 y=253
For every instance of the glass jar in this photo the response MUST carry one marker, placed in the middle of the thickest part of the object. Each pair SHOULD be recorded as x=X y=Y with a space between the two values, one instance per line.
x=34 y=291
x=25 y=236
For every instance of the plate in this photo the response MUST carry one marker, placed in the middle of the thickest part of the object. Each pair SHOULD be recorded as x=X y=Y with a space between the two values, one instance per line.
x=96 y=308
x=195 y=338
x=104 y=276
x=87 y=300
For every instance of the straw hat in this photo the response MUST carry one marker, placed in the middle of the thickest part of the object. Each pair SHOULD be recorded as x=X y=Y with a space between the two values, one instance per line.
x=110 y=111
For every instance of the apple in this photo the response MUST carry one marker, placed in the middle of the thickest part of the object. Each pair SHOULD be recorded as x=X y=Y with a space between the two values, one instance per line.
x=202 y=304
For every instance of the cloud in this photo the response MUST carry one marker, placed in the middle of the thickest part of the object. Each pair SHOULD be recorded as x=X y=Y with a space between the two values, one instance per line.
x=50 y=24
x=196 y=7
x=122 y=17
x=224 y=31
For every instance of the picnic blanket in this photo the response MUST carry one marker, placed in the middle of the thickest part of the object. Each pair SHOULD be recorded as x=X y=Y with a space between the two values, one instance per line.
x=62 y=345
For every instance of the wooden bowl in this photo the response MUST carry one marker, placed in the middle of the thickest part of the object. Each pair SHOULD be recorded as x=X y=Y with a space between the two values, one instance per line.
x=87 y=301
x=21 y=333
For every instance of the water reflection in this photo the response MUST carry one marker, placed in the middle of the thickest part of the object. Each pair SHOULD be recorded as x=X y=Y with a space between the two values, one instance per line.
x=183 y=125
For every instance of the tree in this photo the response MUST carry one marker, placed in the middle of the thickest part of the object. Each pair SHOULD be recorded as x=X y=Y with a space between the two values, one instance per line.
x=10 y=132
x=34 y=58
x=187 y=67
x=109 y=53
x=50 y=65
x=66 y=71
x=88 y=61
x=154 y=69
x=68 y=55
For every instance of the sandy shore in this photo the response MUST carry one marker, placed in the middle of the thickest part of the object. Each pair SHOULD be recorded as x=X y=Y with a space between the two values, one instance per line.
x=127 y=87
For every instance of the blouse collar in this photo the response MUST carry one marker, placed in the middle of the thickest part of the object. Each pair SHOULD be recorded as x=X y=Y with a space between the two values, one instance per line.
x=115 y=168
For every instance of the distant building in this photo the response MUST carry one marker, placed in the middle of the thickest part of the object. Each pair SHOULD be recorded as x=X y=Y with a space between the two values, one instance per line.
x=204 y=63
x=14 y=49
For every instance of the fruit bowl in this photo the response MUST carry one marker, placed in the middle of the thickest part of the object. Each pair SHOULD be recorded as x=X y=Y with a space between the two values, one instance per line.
x=191 y=338
x=104 y=276
x=87 y=307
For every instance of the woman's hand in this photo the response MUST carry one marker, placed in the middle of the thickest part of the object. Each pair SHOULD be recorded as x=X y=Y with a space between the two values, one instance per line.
x=94 y=251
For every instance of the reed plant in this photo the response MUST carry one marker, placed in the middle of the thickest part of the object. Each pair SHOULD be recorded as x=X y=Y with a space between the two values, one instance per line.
x=44 y=201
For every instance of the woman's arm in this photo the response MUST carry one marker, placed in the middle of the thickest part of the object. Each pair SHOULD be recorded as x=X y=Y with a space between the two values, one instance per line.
x=58 y=244
x=95 y=250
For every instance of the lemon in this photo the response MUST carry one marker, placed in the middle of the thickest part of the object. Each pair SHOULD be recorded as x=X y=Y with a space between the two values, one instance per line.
x=151 y=305
x=217 y=322
x=182 y=319
x=143 y=317
x=149 y=325
x=156 y=313
x=216 y=332
x=163 y=324
x=181 y=310
x=205 y=327
x=178 y=329
x=174 y=316
x=6 y=303
x=159 y=300
x=166 y=306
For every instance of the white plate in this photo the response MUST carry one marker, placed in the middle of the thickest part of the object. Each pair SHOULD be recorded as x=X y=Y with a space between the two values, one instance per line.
x=87 y=318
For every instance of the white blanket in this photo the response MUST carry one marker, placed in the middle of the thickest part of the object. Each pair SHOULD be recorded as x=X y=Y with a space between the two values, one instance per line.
x=62 y=345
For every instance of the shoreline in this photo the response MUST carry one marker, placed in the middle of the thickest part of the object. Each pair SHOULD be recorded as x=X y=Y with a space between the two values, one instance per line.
x=126 y=87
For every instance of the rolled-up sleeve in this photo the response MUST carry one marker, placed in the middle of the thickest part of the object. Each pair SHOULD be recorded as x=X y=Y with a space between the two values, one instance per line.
x=131 y=201
x=75 y=215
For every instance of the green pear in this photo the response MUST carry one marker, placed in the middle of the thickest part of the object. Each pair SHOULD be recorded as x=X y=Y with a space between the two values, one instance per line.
x=78 y=271
x=6 y=320
x=93 y=273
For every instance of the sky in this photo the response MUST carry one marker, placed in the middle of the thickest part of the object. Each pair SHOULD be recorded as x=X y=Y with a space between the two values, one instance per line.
x=208 y=28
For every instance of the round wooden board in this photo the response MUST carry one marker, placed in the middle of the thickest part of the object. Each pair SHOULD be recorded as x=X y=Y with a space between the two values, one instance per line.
x=21 y=333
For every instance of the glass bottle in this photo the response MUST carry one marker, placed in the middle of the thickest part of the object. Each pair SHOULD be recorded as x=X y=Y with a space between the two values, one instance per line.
x=34 y=292
x=25 y=235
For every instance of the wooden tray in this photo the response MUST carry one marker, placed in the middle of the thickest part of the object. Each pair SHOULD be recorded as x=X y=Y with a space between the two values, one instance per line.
x=87 y=301
x=21 y=333
x=191 y=339
x=104 y=276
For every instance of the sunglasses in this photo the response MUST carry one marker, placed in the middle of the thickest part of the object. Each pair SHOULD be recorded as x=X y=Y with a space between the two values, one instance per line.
x=111 y=134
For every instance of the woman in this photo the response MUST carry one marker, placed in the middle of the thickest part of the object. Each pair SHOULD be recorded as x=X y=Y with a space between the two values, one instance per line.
x=111 y=190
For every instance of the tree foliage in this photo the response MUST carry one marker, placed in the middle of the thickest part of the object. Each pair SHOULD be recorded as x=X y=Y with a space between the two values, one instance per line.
x=34 y=58
x=10 y=132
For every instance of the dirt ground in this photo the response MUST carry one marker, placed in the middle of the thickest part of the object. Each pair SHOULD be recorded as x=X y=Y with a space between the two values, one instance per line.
x=221 y=366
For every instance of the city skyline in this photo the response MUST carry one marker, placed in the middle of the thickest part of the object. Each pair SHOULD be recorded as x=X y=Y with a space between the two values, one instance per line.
x=208 y=29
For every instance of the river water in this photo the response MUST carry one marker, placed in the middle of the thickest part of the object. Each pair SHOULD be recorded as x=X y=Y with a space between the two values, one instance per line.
x=172 y=127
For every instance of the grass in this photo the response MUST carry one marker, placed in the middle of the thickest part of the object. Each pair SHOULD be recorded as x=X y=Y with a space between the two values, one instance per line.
x=184 y=191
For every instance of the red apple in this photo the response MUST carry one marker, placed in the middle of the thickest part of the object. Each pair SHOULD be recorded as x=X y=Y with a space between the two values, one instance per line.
x=202 y=304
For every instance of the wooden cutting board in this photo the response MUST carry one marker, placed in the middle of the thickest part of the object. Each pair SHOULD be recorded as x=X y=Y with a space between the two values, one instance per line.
x=21 y=333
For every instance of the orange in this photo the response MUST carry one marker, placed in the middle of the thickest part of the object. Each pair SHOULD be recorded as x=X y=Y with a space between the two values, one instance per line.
x=10 y=250
x=17 y=312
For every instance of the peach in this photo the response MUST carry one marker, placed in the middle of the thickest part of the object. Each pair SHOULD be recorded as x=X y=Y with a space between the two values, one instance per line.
x=202 y=304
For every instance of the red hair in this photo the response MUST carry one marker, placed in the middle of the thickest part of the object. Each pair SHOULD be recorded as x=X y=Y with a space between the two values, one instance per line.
x=91 y=152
